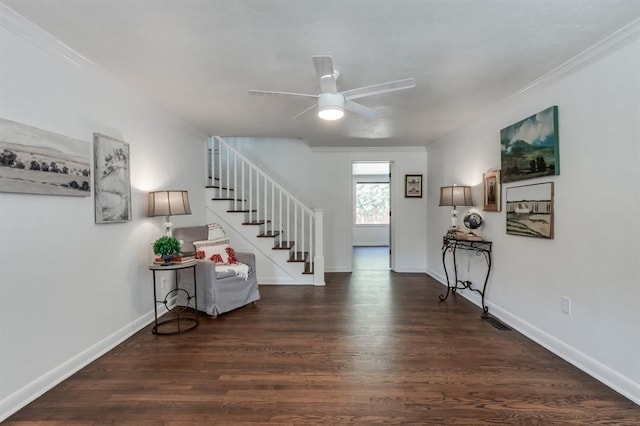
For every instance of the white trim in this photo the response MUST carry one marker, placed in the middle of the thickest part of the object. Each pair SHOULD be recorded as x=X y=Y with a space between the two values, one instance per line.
x=592 y=367
x=280 y=281
x=369 y=150
x=338 y=269
x=409 y=270
x=19 y=25
x=293 y=274
x=595 y=53
x=28 y=393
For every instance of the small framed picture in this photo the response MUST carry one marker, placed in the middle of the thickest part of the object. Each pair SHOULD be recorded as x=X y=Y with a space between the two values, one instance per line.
x=492 y=191
x=413 y=186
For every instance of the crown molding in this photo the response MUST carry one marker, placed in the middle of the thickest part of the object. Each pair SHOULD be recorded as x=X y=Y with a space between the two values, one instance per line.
x=611 y=44
x=369 y=149
x=13 y=22
x=616 y=41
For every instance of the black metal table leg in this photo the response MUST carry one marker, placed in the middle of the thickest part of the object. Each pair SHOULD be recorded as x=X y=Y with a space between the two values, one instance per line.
x=481 y=248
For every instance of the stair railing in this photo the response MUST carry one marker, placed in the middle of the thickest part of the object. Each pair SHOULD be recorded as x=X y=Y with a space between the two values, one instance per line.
x=267 y=203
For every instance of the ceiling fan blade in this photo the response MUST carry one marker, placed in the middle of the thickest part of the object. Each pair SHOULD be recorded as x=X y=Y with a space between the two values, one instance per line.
x=323 y=64
x=376 y=89
x=364 y=111
x=306 y=110
x=326 y=73
x=273 y=93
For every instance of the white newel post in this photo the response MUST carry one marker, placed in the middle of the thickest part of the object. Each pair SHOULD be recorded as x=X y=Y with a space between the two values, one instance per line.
x=318 y=259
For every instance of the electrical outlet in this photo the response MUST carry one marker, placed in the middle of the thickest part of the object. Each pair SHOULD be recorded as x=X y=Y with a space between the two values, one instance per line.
x=164 y=284
x=565 y=305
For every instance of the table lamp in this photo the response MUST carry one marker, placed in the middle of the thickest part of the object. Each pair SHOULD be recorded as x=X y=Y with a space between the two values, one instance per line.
x=168 y=203
x=455 y=196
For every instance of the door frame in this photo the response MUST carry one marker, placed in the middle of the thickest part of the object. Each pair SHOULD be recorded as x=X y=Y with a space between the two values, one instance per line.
x=391 y=204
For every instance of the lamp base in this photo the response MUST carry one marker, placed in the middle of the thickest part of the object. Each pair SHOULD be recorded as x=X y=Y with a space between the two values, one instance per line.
x=168 y=228
x=454 y=218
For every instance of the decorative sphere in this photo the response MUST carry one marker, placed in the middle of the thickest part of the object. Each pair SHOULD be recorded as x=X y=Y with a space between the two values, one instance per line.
x=472 y=220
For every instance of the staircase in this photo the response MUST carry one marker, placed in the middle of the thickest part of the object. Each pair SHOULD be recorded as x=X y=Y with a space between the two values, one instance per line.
x=285 y=234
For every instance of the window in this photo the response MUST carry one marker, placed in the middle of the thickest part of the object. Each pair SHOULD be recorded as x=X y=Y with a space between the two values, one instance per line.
x=372 y=203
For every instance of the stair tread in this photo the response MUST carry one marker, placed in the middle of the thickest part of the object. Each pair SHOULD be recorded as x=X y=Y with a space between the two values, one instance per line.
x=220 y=191
x=269 y=234
x=308 y=268
x=218 y=187
x=285 y=245
x=256 y=222
x=297 y=256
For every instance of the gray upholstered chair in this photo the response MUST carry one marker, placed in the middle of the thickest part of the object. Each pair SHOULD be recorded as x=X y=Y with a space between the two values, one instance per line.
x=223 y=291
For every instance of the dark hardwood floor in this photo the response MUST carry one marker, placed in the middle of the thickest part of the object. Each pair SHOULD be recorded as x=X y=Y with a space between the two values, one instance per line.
x=371 y=347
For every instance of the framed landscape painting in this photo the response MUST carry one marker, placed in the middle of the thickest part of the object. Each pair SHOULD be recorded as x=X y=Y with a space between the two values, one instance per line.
x=36 y=161
x=529 y=148
x=112 y=181
x=530 y=210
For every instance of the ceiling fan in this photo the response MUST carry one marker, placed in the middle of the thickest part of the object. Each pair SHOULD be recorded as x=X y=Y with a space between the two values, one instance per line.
x=331 y=103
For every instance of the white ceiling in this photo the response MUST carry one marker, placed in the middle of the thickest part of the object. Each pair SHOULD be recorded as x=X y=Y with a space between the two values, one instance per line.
x=198 y=58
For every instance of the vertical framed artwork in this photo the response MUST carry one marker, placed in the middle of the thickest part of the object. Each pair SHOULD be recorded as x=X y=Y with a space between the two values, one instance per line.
x=36 y=161
x=112 y=179
x=492 y=202
x=529 y=148
x=413 y=186
x=530 y=210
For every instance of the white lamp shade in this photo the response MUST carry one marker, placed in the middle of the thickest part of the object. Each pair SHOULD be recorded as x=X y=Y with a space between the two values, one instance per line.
x=455 y=196
x=330 y=106
x=168 y=203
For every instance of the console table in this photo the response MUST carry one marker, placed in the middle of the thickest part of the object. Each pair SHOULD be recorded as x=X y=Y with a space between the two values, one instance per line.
x=182 y=322
x=452 y=245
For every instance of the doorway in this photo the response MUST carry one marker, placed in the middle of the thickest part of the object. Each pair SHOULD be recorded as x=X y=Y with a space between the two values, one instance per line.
x=371 y=218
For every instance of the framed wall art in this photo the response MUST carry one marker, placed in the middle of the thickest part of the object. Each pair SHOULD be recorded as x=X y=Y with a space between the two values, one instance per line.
x=529 y=148
x=112 y=181
x=492 y=202
x=530 y=210
x=36 y=161
x=413 y=186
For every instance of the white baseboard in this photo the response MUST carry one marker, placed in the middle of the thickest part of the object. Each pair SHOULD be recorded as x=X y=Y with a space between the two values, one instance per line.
x=338 y=269
x=409 y=270
x=592 y=367
x=280 y=280
x=42 y=384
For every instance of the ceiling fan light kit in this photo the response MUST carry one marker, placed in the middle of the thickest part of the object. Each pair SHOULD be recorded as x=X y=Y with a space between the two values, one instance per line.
x=330 y=106
x=330 y=102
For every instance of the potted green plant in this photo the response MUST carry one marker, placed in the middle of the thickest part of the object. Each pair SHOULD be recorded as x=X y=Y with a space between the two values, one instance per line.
x=166 y=247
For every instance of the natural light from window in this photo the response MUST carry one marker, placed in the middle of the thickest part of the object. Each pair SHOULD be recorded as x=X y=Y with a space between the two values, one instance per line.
x=371 y=193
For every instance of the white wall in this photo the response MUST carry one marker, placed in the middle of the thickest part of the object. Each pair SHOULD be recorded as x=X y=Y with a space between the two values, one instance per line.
x=322 y=179
x=72 y=289
x=594 y=258
x=370 y=235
